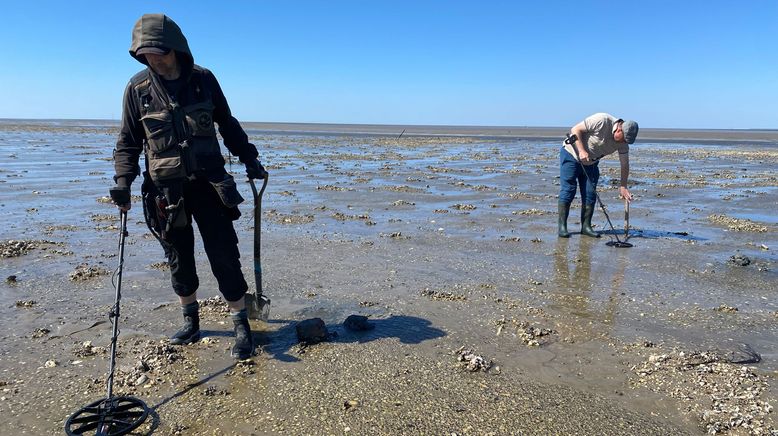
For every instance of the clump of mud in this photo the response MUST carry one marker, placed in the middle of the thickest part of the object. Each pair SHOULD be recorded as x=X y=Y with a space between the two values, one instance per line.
x=331 y=188
x=19 y=248
x=738 y=224
x=282 y=218
x=40 y=332
x=471 y=361
x=726 y=309
x=530 y=335
x=403 y=188
x=151 y=362
x=340 y=216
x=86 y=349
x=442 y=295
x=532 y=211
x=725 y=397
x=739 y=260
x=86 y=272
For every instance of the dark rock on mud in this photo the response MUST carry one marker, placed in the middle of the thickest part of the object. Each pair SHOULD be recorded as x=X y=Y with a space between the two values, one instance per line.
x=311 y=331
x=742 y=355
x=740 y=260
x=358 y=323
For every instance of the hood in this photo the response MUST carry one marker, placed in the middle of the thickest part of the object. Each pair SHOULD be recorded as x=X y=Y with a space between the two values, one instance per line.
x=158 y=30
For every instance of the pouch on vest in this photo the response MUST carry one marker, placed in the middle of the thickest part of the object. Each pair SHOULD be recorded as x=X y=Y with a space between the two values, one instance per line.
x=227 y=190
x=166 y=166
x=160 y=136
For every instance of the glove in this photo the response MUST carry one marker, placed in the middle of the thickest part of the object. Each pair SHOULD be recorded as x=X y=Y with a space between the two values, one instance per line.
x=121 y=197
x=255 y=170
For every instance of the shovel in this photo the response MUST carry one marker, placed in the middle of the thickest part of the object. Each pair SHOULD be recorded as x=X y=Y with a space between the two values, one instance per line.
x=257 y=304
x=626 y=219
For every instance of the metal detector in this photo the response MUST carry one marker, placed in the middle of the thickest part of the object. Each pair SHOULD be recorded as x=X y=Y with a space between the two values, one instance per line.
x=111 y=416
x=258 y=305
x=618 y=243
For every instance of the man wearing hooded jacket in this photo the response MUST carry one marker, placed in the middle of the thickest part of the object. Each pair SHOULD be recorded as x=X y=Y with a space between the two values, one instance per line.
x=169 y=111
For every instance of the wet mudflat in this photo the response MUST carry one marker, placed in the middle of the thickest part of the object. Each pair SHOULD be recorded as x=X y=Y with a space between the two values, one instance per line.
x=444 y=243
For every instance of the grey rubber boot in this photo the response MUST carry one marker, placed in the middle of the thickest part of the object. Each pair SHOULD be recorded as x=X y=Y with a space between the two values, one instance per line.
x=586 y=221
x=190 y=332
x=244 y=343
x=564 y=211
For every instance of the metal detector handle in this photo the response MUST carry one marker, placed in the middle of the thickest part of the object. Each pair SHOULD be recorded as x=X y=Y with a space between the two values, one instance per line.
x=258 y=232
x=120 y=195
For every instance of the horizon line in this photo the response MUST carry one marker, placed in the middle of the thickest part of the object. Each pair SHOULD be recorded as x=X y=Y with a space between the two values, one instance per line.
x=409 y=125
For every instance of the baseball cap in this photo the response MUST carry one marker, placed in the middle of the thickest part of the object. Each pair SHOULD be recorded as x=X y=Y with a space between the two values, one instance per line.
x=630 y=129
x=152 y=50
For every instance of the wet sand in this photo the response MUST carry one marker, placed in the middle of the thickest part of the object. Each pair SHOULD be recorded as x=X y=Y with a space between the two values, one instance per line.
x=443 y=241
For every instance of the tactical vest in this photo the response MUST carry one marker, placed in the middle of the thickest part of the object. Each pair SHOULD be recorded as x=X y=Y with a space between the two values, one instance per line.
x=180 y=141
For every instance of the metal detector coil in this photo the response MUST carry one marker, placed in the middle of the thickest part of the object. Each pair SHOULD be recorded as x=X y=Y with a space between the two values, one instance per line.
x=111 y=416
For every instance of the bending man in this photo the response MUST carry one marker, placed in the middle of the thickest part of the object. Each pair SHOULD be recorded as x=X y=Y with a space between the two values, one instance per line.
x=595 y=137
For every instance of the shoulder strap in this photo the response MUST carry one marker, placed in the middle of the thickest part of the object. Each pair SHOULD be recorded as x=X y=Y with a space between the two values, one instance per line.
x=143 y=90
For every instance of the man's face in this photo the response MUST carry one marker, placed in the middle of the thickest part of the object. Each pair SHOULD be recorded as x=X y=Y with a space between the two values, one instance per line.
x=618 y=134
x=164 y=65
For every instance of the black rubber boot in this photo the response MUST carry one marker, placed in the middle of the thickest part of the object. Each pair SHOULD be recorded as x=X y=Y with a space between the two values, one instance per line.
x=586 y=221
x=244 y=343
x=564 y=211
x=190 y=332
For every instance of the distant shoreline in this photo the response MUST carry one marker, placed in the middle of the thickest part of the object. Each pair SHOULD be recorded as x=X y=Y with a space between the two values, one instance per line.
x=762 y=136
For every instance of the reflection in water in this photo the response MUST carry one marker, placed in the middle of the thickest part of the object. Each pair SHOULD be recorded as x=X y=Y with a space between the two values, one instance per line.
x=574 y=289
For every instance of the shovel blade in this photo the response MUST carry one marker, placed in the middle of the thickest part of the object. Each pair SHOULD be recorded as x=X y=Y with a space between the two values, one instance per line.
x=258 y=308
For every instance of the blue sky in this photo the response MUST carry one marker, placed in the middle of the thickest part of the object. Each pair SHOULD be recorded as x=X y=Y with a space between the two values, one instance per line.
x=683 y=64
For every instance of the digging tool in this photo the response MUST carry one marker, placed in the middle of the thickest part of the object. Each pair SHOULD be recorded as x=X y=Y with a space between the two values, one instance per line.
x=626 y=219
x=618 y=243
x=111 y=416
x=258 y=305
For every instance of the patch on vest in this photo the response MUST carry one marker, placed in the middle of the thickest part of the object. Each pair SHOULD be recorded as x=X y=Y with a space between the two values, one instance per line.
x=204 y=121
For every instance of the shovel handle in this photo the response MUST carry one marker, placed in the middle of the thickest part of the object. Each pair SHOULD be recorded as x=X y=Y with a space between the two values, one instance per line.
x=258 y=233
x=626 y=217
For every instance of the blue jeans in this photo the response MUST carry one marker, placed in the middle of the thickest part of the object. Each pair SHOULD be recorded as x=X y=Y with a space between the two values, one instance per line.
x=571 y=174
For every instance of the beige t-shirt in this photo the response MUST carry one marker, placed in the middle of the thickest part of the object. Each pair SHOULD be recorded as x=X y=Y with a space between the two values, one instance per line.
x=598 y=138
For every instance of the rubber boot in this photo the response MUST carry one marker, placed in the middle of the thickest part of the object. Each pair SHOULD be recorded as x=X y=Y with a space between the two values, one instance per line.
x=564 y=211
x=244 y=343
x=586 y=221
x=190 y=332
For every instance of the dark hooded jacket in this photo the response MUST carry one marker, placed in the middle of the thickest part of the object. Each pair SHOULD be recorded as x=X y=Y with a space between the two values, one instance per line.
x=146 y=94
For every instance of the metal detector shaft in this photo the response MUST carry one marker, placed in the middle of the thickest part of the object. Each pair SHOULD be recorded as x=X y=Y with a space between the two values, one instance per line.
x=115 y=311
x=112 y=416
